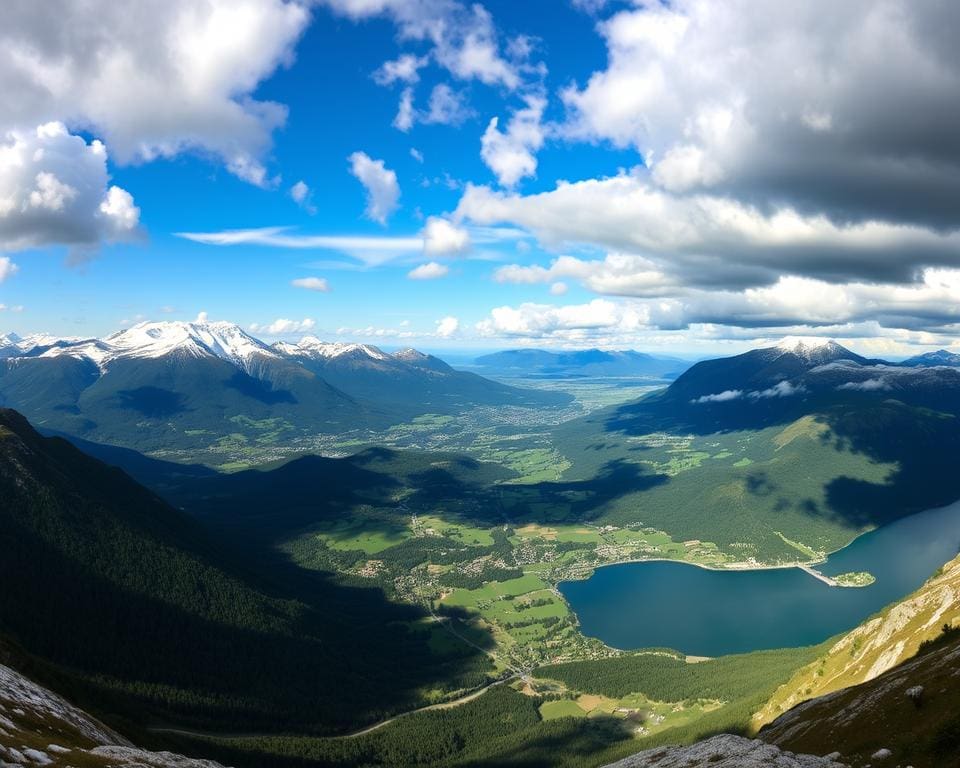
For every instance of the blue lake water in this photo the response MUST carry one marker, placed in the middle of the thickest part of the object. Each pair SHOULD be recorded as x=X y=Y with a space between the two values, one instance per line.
x=711 y=613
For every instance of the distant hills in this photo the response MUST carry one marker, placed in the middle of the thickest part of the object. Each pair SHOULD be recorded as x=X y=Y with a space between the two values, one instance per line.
x=585 y=363
x=176 y=384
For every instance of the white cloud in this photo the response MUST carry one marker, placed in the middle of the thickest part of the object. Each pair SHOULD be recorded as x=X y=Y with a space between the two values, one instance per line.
x=558 y=289
x=716 y=240
x=574 y=322
x=302 y=195
x=780 y=389
x=616 y=274
x=443 y=238
x=152 y=79
x=429 y=271
x=846 y=110
x=446 y=107
x=54 y=190
x=416 y=154
x=869 y=385
x=463 y=38
x=510 y=154
x=406 y=115
x=7 y=268
x=720 y=397
x=318 y=284
x=383 y=191
x=282 y=326
x=447 y=327
x=202 y=318
x=405 y=68
x=370 y=250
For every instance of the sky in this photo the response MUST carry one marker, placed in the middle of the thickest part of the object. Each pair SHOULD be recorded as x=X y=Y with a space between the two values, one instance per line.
x=685 y=177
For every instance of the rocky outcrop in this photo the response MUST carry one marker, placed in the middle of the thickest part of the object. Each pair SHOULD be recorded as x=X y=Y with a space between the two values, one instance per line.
x=725 y=751
x=909 y=715
x=40 y=728
x=876 y=646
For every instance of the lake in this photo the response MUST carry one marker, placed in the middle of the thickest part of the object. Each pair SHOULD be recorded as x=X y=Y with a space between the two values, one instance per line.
x=711 y=613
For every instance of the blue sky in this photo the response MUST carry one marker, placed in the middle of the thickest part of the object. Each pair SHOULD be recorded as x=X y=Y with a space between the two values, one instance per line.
x=686 y=178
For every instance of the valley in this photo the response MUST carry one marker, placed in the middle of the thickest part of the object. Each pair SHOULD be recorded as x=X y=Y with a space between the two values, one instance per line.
x=527 y=564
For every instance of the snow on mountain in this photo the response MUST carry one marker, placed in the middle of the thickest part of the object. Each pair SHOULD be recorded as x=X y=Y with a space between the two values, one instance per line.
x=311 y=346
x=224 y=340
x=153 y=340
x=813 y=348
x=91 y=349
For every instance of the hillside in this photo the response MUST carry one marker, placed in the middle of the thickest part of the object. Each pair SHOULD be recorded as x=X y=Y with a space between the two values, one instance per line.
x=168 y=624
x=906 y=716
x=876 y=646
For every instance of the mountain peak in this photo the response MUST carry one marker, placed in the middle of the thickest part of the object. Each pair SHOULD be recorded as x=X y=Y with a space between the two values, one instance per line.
x=156 y=339
x=314 y=347
x=931 y=359
x=798 y=344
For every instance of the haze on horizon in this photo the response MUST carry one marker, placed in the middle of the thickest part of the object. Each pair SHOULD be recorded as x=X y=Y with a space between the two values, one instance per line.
x=684 y=178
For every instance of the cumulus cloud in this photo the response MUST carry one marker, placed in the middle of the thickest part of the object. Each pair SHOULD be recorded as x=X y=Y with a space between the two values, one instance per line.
x=405 y=68
x=318 y=284
x=446 y=107
x=406 y=115
x=429 y=271
x=282 y=326
x=463 y=38
x=302 y=195
x=152 y=79
x=447 y=327
x=7 y=268
x=848 y=111
x=54 y=190
x=558 y=289
x=710 y=240
x=383 y=190
x=443 y=238
x=511 y=154
x=573 y=322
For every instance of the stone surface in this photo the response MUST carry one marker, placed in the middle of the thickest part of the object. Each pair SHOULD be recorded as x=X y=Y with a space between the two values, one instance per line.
x=725 y=751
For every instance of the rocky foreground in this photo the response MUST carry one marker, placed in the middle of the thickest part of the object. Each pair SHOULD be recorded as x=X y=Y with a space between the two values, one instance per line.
x=725 y=751
x=39 y=728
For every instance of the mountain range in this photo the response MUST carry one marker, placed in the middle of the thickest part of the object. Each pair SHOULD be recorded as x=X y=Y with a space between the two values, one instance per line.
x=177 y=384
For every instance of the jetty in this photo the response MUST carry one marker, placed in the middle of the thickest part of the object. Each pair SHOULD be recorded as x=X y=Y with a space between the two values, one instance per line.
x=817 y=575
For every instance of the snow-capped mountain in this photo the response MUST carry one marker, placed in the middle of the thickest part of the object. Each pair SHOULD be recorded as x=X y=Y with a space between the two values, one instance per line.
x=407 y=382
x=311 y=346
x=225 y=341
x=758 y=370
x=929 y=359
x=813 y=349
x=172 y=384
